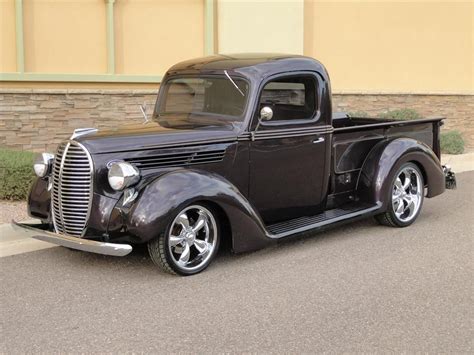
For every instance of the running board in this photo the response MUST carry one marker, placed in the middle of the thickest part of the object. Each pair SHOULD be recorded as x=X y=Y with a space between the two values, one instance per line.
x=303 y=224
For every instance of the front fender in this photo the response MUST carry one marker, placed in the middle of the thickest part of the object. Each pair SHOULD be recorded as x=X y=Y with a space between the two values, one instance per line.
x=164 y=197
x=39 y=200
x=387 y=157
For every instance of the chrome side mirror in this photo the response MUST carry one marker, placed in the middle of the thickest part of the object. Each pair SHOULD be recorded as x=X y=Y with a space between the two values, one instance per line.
x=266 y=113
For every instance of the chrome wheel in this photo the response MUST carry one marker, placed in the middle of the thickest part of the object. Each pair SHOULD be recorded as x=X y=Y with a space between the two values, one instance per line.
x=407 y=194
x=192 y=238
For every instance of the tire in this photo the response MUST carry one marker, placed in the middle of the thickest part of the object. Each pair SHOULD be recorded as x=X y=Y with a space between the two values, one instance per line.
x=190 y=242
x=405 y=197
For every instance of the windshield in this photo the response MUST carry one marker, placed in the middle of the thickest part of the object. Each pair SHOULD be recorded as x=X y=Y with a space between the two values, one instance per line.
x=204 y=97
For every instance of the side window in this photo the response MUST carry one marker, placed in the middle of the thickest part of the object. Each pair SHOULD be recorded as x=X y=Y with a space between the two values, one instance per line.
x=290 y=98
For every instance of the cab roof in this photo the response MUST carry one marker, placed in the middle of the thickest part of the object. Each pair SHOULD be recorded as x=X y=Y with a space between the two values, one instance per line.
x=251 y=65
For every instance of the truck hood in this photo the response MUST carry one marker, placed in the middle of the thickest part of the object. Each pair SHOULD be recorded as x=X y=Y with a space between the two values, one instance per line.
x=136 y=137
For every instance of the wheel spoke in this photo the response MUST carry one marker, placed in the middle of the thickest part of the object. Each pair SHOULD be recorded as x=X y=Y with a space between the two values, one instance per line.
x=400 y=208
x=201 y=222
x=407 y=182
x=398 y=183
x=183 y=220
x=410 y=201
x=184 y=258
x=175 y=240
x=202 y=246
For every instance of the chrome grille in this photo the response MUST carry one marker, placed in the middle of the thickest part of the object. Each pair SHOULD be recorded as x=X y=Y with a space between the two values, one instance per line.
x=71 y=192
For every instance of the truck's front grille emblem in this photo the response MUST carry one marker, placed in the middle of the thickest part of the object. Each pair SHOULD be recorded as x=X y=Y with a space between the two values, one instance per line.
x=71 y=192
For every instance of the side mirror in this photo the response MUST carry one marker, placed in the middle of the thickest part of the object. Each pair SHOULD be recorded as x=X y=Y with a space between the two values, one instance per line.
x=266 y=113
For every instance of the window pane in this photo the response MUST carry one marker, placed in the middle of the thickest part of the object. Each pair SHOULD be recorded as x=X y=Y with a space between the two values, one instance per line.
x=206 y=95
x=284 y=93
x=291 y=98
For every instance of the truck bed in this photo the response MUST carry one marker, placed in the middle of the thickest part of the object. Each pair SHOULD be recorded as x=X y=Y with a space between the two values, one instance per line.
x=354 y=137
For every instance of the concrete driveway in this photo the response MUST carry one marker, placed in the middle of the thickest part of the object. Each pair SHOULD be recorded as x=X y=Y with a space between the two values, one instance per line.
x=361 y=287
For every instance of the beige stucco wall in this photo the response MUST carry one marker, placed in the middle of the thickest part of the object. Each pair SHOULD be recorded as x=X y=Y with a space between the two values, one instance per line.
x=260 y=26
x=66 y=36
x=152 y=35
x=69 y=36
x=7 y=36
x=401 y=46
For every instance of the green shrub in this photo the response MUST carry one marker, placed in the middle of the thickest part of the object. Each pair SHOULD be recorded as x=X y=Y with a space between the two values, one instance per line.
x=402 y=114
x=358 y=114
x=16 y=174
x=452 y=142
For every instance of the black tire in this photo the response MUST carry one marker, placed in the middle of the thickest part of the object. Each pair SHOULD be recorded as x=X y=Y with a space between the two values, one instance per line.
x=161 y=251
x=389 y=217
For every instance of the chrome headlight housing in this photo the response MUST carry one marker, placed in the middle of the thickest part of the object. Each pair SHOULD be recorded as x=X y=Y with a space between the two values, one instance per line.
x=43 y=164
x=122 y=175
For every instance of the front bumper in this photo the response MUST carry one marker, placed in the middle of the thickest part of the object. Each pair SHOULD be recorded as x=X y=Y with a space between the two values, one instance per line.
x=68 y=241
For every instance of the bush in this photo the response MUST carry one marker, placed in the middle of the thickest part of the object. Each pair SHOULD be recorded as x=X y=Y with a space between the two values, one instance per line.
x=452 y=142
x=356 y=114
x=401 y=114
x=16 y=174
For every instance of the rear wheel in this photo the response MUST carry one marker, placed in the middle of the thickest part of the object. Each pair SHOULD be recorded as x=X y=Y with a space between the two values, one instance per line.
x=190 y=242
x=405 y=197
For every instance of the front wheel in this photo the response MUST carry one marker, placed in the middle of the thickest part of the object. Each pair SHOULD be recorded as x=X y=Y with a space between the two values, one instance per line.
x=405 y=197
x=190 y=242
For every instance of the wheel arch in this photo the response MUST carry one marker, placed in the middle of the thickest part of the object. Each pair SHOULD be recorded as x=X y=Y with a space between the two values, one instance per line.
x=387 y=157
x=168 y=193
x=224 y=223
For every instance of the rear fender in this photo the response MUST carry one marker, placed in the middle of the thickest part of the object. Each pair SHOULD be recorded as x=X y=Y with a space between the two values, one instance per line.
x=386 y=158
x=164 y=197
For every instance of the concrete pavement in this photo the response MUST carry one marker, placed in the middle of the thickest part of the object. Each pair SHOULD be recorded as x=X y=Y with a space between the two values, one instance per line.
x=13 y=242
x=357 y=288
x=459 y=163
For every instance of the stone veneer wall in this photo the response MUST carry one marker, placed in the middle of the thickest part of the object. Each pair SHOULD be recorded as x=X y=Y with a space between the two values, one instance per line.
x=457 y=109
x=37 y=120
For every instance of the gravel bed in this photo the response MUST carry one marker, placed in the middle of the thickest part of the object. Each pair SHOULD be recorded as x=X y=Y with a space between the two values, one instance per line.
x=13 y=210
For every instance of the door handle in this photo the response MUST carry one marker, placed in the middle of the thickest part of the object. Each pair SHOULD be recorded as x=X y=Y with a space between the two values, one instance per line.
x=319 y=140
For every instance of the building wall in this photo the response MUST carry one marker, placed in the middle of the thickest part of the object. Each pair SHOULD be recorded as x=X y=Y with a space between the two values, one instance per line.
x=151 y=36
x=65 y=36
x=7 y=36
x=260 y=26
x=381 y=55
x=393 y=46
x=69 y=37
x=38 y=119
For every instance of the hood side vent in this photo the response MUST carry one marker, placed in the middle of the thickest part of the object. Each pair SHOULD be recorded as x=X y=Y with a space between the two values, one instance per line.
x=178 y=159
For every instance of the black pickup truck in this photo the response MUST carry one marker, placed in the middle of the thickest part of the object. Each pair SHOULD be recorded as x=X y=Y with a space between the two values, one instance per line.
x=241 y=149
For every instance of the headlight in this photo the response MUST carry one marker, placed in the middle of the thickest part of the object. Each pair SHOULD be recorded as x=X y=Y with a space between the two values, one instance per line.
x=122 y=175
x=43 y=164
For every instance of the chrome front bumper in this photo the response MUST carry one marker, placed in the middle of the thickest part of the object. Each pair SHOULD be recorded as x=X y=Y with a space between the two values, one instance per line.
x=91 y=246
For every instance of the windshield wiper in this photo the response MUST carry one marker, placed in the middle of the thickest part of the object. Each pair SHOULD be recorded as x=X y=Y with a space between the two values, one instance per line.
x=233 y=82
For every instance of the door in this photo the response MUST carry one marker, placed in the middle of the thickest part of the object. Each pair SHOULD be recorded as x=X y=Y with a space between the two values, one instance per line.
x=288 y=153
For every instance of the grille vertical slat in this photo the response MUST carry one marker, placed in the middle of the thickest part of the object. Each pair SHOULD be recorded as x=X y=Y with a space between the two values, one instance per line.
x=71 y=189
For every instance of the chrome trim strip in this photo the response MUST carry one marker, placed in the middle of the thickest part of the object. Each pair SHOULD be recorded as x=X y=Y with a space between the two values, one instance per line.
x=82 y=132
x=286 y=133
x=175 y=145
x=68 y=241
